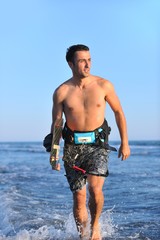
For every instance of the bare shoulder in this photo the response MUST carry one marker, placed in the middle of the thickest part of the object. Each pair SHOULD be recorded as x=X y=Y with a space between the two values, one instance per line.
x=61 y=91
x=104 y=83
x=64 y=86
x=107 y=88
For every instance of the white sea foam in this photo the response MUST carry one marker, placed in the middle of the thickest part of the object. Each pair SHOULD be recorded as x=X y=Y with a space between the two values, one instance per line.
x=67 y=232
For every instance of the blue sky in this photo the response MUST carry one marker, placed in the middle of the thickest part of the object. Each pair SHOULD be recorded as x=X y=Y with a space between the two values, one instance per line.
x=123 y=37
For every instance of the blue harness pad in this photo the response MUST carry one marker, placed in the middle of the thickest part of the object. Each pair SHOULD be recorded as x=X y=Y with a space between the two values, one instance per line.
x=84 y=137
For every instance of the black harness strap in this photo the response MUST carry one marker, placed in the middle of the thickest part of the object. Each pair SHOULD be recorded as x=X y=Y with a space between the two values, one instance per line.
x=101 y=135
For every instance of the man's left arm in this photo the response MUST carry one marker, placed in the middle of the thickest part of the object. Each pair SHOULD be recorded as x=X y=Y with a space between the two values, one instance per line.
x=124 y=149
x=113 y=101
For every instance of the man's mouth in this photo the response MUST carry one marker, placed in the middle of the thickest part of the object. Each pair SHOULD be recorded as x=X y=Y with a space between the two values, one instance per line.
x=86 y=70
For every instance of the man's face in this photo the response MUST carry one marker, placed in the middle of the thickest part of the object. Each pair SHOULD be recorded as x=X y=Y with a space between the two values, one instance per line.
x=82 y=64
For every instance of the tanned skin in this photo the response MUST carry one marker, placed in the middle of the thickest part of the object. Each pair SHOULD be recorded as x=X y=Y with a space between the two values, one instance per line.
x=83 y=100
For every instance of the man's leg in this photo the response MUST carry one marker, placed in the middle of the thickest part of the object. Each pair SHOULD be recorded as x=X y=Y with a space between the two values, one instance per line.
x=80 y=211
x=96 y=201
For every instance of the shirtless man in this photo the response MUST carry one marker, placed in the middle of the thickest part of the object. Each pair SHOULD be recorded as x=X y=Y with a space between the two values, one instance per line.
x=83 y=99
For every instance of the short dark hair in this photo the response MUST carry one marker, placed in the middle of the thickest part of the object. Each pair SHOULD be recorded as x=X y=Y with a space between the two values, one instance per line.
x=71 y=51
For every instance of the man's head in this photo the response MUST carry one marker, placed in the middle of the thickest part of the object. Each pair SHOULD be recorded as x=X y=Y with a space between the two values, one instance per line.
x=71 y=51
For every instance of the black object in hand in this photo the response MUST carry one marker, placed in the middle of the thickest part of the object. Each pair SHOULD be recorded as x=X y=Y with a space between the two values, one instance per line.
x=47 y=142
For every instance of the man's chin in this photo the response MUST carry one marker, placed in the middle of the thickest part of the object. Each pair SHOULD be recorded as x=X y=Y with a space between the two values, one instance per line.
x=86 y=74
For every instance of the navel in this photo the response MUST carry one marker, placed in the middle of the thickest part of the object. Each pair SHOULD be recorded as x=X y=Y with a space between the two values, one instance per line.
x=70 y=109
x=98 y=105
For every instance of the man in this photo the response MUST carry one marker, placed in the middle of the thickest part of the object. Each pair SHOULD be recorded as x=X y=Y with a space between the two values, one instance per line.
x=83 y=99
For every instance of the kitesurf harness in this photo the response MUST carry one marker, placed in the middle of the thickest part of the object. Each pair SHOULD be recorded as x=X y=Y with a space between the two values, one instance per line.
x=97 y=137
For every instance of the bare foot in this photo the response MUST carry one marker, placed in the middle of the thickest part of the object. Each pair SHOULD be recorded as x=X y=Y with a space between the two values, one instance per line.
x=96 y=234
x=85 y=236
x=85 y=232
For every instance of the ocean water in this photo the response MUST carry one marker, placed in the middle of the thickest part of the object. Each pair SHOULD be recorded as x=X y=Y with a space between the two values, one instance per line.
x=36 y=203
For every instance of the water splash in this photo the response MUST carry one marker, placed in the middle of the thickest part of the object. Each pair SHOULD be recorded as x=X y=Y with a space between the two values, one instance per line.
x=67 y=231
x=107 y=226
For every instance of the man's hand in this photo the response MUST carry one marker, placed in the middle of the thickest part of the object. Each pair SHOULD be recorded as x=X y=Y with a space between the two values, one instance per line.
x=55 y=164
x=124 y=151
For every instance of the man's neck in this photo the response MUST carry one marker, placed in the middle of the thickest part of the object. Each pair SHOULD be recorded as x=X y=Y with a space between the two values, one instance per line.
x=82 y=82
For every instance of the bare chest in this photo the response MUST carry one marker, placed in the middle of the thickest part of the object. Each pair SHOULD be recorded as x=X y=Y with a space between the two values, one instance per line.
x=84 y=99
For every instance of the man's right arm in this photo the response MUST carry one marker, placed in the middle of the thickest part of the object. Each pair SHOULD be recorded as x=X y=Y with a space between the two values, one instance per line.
x=57 y=108
x=56 y=129
x=56 y=114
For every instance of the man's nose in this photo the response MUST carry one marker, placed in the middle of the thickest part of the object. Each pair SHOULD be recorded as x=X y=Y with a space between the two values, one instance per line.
x=87 y=63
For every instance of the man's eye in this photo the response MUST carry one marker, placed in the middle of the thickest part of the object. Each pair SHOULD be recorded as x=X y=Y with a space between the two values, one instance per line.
x=81 y=60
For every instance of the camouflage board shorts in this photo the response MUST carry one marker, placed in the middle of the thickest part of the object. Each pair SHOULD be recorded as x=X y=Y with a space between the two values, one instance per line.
x=93 y=159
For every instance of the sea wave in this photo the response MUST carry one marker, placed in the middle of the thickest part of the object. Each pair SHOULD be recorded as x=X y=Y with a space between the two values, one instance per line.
x=32 y=147
x=37 y=147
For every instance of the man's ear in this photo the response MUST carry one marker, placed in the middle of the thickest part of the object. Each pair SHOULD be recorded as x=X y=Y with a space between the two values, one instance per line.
x=70 y=64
